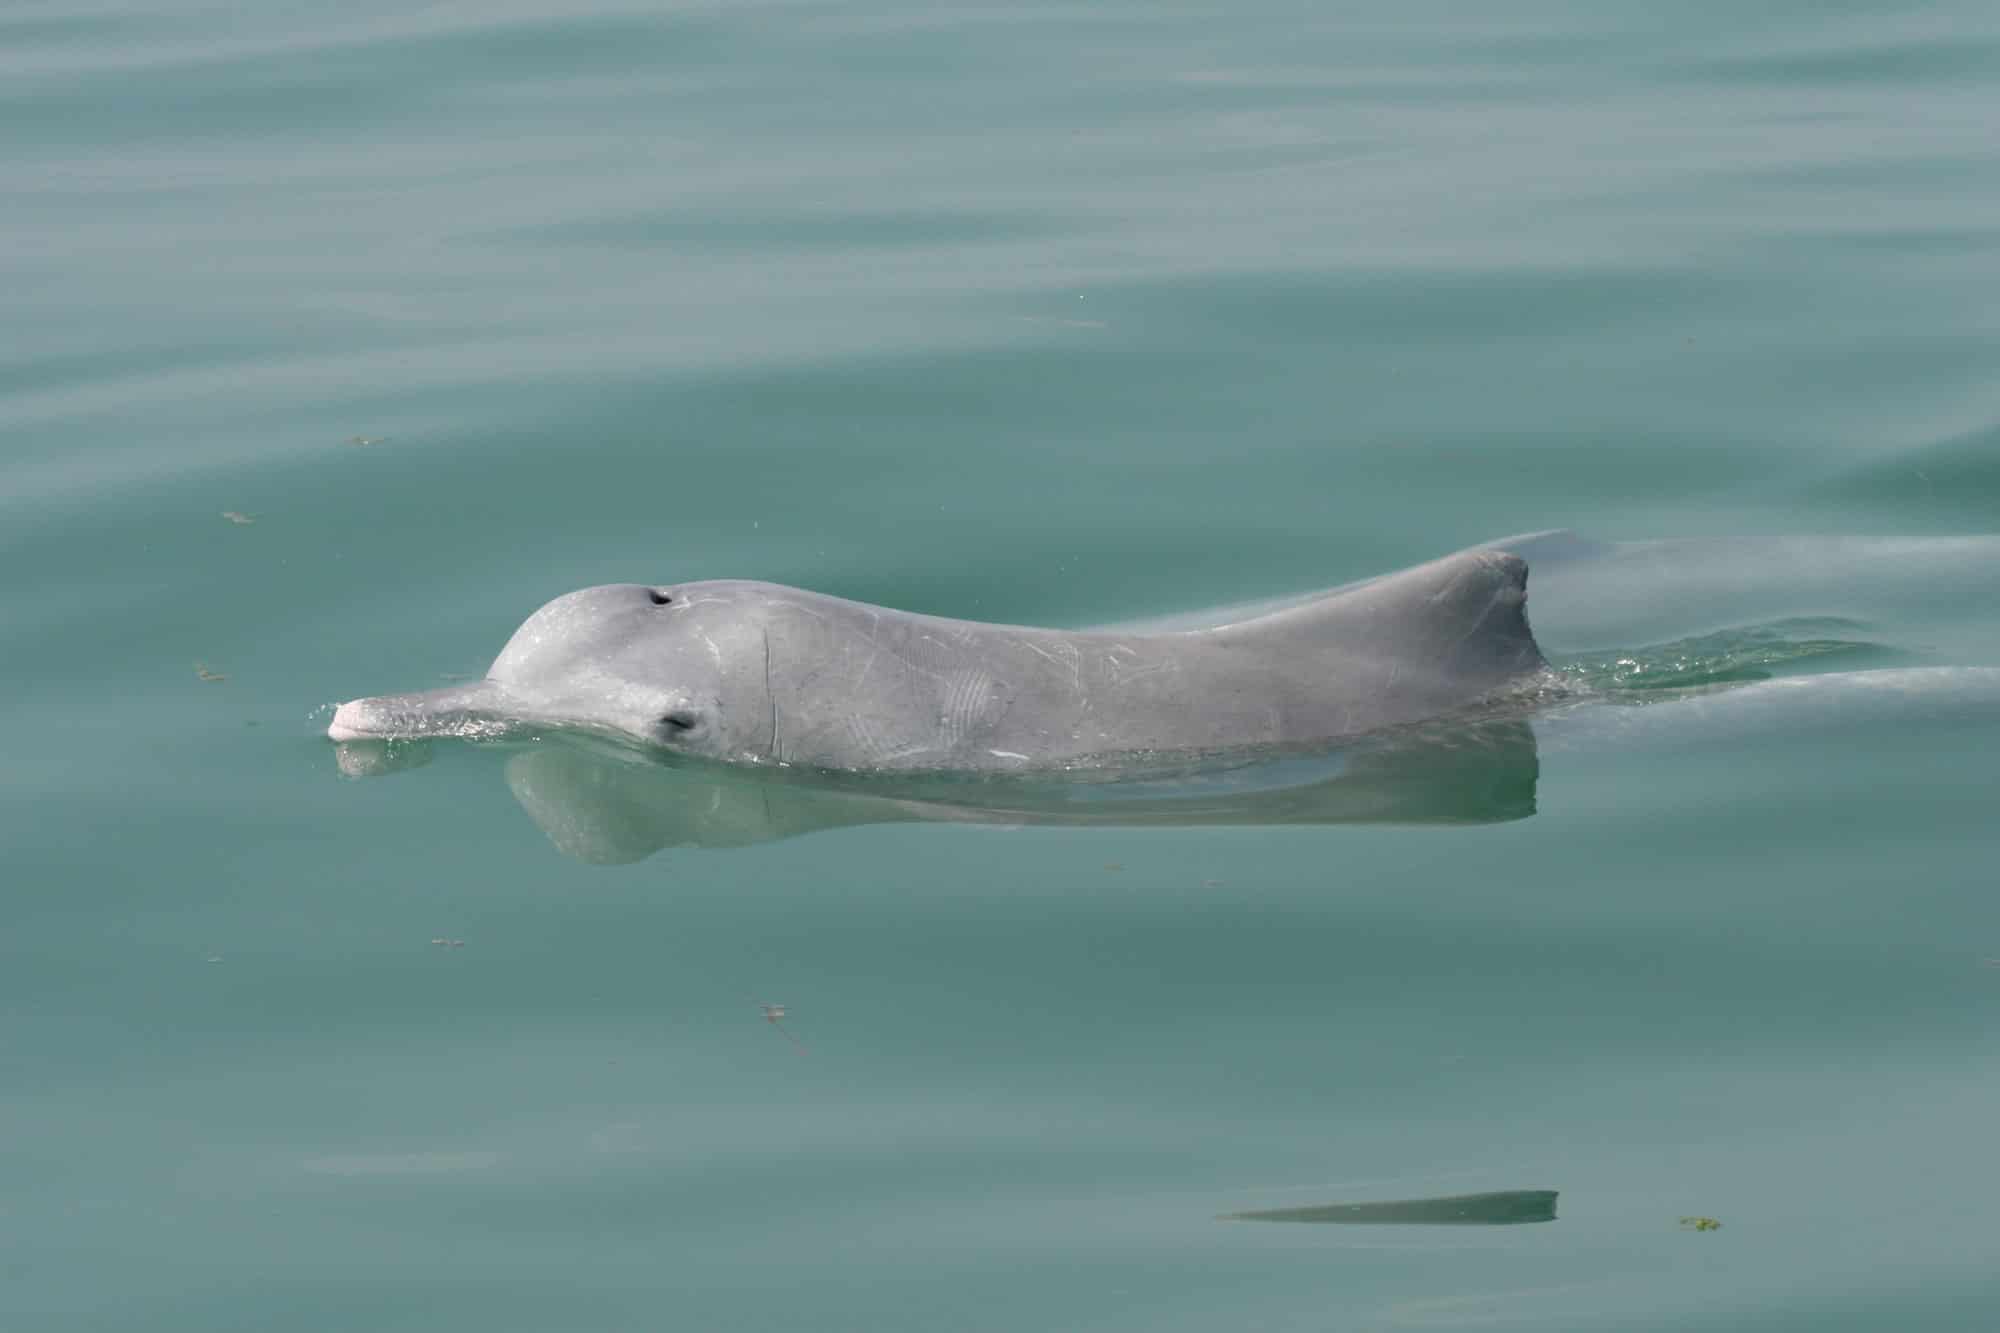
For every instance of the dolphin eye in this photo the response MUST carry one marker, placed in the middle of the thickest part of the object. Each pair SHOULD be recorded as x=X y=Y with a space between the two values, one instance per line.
x=679 y=720
x=659 y=598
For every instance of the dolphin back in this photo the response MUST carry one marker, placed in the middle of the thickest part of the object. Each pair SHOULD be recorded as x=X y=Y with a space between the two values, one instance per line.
x=1456 y=626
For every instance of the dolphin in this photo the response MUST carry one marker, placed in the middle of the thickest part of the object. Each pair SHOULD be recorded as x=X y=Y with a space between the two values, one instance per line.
x=1661 y=646
x=761 y=674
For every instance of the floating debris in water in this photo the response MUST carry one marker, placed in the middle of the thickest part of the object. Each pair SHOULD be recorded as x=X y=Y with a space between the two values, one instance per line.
x=1501 y=1208
x=774 y=1014
x=202 y=672
x=1700 y=1224
x=240 y=520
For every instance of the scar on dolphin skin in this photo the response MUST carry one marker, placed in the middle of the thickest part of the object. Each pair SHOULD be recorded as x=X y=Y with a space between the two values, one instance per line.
x=777 y=751
x=201 y=672
x=1499 y=1208
x=239 y=519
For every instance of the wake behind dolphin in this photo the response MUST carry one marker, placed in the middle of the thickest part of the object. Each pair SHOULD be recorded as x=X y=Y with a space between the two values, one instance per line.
x=757 y=673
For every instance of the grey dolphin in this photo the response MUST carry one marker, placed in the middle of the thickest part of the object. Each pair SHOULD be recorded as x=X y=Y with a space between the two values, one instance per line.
x=759 y=673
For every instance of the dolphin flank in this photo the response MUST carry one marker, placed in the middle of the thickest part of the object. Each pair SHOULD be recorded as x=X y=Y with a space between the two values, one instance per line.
x=759 y=673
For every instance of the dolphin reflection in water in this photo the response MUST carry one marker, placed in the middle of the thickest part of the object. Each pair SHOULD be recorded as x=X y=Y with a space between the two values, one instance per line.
x=611 y=805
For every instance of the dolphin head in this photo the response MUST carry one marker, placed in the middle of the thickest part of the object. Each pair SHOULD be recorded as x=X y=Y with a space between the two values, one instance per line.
x=675 y=667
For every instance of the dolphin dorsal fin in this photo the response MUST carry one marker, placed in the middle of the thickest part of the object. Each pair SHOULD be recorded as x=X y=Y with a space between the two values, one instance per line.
x=1462 y=617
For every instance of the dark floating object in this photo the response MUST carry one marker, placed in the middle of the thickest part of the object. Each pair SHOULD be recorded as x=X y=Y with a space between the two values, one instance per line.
x=1503 y=1208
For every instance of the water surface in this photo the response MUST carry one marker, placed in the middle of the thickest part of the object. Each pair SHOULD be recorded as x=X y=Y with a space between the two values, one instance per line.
x=1053 y=314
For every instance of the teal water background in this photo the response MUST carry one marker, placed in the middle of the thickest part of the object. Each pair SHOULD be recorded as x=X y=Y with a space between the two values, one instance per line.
x=1056 y=314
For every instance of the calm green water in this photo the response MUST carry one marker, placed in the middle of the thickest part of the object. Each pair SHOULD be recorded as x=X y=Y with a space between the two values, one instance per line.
x=1056 y=314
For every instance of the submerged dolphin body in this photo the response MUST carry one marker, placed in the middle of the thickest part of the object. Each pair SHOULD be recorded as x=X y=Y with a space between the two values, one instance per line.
x=758 y=673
